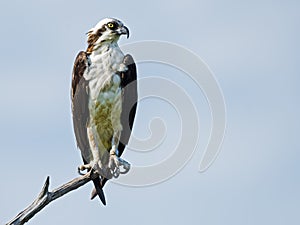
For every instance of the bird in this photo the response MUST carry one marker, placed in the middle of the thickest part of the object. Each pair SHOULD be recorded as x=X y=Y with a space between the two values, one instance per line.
x=104 y=103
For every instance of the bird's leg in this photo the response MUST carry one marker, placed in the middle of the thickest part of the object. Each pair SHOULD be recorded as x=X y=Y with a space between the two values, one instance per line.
x=115 y=163
x=93 y=154
x=87 y=167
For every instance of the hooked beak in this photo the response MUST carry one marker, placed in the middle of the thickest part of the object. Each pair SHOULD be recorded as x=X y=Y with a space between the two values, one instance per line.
x=124 y=30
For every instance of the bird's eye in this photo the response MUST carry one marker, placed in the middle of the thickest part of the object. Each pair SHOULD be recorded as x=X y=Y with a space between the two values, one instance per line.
x=110 y=25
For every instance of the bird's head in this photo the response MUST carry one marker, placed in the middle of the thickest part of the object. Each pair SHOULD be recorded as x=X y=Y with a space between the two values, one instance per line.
x=107 y=30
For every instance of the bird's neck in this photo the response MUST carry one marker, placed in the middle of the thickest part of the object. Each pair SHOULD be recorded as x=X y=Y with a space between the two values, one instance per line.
x=104 y=47
x=104 y=51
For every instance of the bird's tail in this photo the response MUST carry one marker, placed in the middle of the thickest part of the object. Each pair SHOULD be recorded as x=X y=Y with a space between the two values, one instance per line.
x=98 y=190
x=102 y=182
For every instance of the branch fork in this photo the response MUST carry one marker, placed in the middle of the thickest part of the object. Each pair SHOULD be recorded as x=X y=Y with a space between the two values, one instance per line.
x=46 y=196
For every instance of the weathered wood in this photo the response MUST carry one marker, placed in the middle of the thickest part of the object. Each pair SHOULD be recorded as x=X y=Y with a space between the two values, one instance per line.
x=46 y=196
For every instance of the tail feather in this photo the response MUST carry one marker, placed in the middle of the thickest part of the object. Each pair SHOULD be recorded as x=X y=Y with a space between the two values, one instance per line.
x=98 y=190
x=101 y=184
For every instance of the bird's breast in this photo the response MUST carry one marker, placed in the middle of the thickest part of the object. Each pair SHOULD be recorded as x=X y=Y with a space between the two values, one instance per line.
x=105 y=99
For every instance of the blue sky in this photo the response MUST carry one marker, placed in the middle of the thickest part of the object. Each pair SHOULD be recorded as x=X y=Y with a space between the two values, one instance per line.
x=252 y=47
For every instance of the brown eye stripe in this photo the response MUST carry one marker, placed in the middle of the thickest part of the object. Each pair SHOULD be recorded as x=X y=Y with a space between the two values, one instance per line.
x=92 y=38
x=100 y=31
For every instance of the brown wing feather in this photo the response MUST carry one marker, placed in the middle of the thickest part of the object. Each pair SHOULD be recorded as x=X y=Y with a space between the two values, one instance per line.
x=80 y=109
x=129 y=103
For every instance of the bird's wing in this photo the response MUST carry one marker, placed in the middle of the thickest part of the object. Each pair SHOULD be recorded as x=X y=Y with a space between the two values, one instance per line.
x=80 y=108
x=129 y=102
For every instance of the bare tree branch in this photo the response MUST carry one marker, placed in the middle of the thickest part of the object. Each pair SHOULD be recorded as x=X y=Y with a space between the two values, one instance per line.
x=46 y=196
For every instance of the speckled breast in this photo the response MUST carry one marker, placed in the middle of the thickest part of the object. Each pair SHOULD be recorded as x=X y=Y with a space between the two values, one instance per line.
x=106 y=112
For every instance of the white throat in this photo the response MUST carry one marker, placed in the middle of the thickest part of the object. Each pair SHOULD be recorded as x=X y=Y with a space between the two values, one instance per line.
x=105 y=63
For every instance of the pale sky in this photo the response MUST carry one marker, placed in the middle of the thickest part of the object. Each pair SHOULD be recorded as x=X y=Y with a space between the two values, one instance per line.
x=252 y=47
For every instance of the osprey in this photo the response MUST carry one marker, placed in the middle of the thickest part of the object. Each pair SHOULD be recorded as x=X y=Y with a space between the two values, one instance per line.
x=104 y=101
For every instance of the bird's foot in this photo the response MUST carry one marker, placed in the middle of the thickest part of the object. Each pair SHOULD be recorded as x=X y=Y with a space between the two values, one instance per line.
x=117 y=165
x=84 y=167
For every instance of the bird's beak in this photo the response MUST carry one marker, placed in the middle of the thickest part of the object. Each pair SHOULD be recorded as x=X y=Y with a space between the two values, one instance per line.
x=124 y=30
